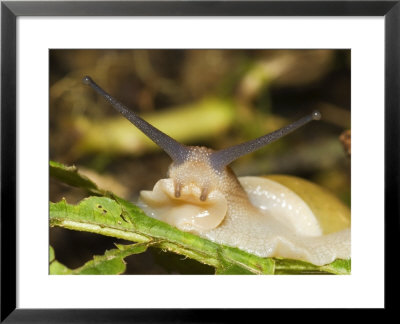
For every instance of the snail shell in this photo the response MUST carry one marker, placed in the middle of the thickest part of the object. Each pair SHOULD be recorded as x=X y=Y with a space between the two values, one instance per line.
x=280 y=216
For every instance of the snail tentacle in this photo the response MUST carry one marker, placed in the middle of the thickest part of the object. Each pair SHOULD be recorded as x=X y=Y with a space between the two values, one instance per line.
x=204 y=194
x=178 y=189
x=177 y=151
x=222 y=158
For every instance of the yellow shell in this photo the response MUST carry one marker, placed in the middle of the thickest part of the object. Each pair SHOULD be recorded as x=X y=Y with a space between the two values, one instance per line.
x=331 y=213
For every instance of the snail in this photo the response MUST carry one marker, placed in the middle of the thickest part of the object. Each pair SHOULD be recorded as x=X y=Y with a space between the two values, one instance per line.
x=276 y=216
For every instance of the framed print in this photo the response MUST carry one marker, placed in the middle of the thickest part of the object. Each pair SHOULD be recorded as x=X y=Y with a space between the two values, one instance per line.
x=215 y=74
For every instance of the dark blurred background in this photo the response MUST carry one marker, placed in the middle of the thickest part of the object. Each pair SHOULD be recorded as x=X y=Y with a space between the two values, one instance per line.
x=214 y=98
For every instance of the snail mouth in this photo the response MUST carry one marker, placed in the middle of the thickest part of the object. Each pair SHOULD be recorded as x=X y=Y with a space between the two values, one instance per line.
x=186 y=211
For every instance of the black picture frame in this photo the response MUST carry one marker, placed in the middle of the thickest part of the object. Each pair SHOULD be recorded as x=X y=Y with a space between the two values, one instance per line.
x=11 y=10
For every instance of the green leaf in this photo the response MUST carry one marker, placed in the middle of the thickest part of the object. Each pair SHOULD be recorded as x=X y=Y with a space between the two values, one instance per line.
x=70 y=175
x=99 y=215
x=288 y=266
x=112 y=262
x=232 y=269
x=51 y=254
x=56 y=268
x=338 y=266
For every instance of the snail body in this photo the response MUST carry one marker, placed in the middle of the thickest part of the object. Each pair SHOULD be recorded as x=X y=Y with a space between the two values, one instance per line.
x=255 y=214
x=262 y=216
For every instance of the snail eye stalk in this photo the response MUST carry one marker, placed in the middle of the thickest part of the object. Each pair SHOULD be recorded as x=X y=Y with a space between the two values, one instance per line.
x=222 y=158
x=177 y=151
